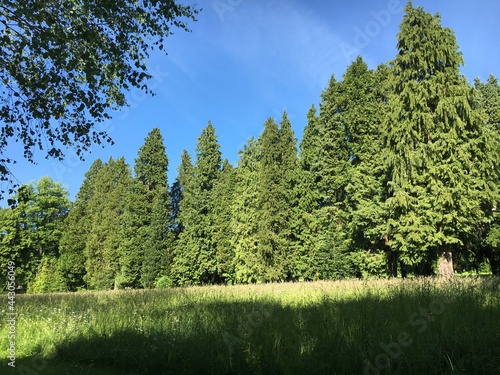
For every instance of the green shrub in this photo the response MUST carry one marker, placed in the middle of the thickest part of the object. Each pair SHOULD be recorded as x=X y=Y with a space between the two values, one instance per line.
x=369 y=264
x=164 y=282
x=48 y=279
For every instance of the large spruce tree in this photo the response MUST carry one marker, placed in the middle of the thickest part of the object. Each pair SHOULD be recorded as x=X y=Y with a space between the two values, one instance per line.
x=276 y=181
x=185 y=174
x=103 y=259
x=289 y=181
x=433 y=136
x=306 y=224
x=148 y=194
x=325 y=162
x=195 y=260
x=489 y=232
x=333 y=158
x=76 y=230
x=159 y=243
x=362 y=112
x=151 y=167
x=249 y=263
x=271 y=203
x=223 y=196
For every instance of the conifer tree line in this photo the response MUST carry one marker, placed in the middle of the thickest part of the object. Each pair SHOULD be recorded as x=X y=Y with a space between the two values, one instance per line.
x=397 y=173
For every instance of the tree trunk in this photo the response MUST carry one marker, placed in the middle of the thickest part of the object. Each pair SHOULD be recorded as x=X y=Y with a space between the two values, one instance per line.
x=393 y=258
x=495 y=264
x=394 y=264
x=404 y=270
x=445 y=268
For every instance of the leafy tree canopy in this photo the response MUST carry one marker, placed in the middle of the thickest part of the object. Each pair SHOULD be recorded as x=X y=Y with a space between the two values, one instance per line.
x=65 y=64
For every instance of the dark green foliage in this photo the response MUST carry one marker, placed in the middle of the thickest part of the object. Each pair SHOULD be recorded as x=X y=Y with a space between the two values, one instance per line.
x=195 y=261
x=10 y=233
x=263 y=206
x=333 y=158
x=271 y=203
x=158 y=247
x=276 y=181
x=134 y=221
x=185 y=173
x=289 y=174
x=321 y=214
x=103 y=260
x=306 y=225
x=362 y=113
x=489 y=100
x=223 y=196
x=179 y=205
x=249 y=264
x=32 y=229
x=76 y=230
x=309 y=149
x=146 y=218
x=151 y=165
x=66 y=65
x=489 y=232
x=434 y=144
x=332 y=167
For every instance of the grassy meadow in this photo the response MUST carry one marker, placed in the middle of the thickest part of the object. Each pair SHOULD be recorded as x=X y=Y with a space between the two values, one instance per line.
x=419 y=326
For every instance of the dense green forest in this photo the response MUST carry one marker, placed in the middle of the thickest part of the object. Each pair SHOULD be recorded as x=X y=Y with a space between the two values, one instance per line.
x=397 y=174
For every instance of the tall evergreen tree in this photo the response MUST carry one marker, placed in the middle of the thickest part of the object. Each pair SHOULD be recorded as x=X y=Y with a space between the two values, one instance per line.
x=434 y=144
x=325 y=161
x=276 y=198
x=289 y=162
x=195 y=261
x=272 y=203
x=249 y=263
x=151 y=164
x=103 y=259
x=333 y=158
x=362 y=111
x=150 y=188
x=76 y=230
x=134 y=225
x=489 y=232
x=223 y=196
x=159 y=244
x=185 y=174
x=308 y=194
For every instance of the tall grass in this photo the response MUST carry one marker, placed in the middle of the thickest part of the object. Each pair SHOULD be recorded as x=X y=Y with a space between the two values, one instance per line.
x=422 y=326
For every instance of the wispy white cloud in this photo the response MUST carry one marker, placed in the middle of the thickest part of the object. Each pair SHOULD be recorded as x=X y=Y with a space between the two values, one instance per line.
x=282 y=38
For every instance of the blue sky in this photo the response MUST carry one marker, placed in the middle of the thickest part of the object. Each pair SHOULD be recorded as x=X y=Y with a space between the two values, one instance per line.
x=247 y=60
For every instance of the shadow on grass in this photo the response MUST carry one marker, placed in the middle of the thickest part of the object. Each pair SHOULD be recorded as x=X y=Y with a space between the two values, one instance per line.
x=404 y=334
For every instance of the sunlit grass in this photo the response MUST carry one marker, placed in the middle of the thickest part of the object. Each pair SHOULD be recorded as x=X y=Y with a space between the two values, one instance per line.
x=427 y=326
